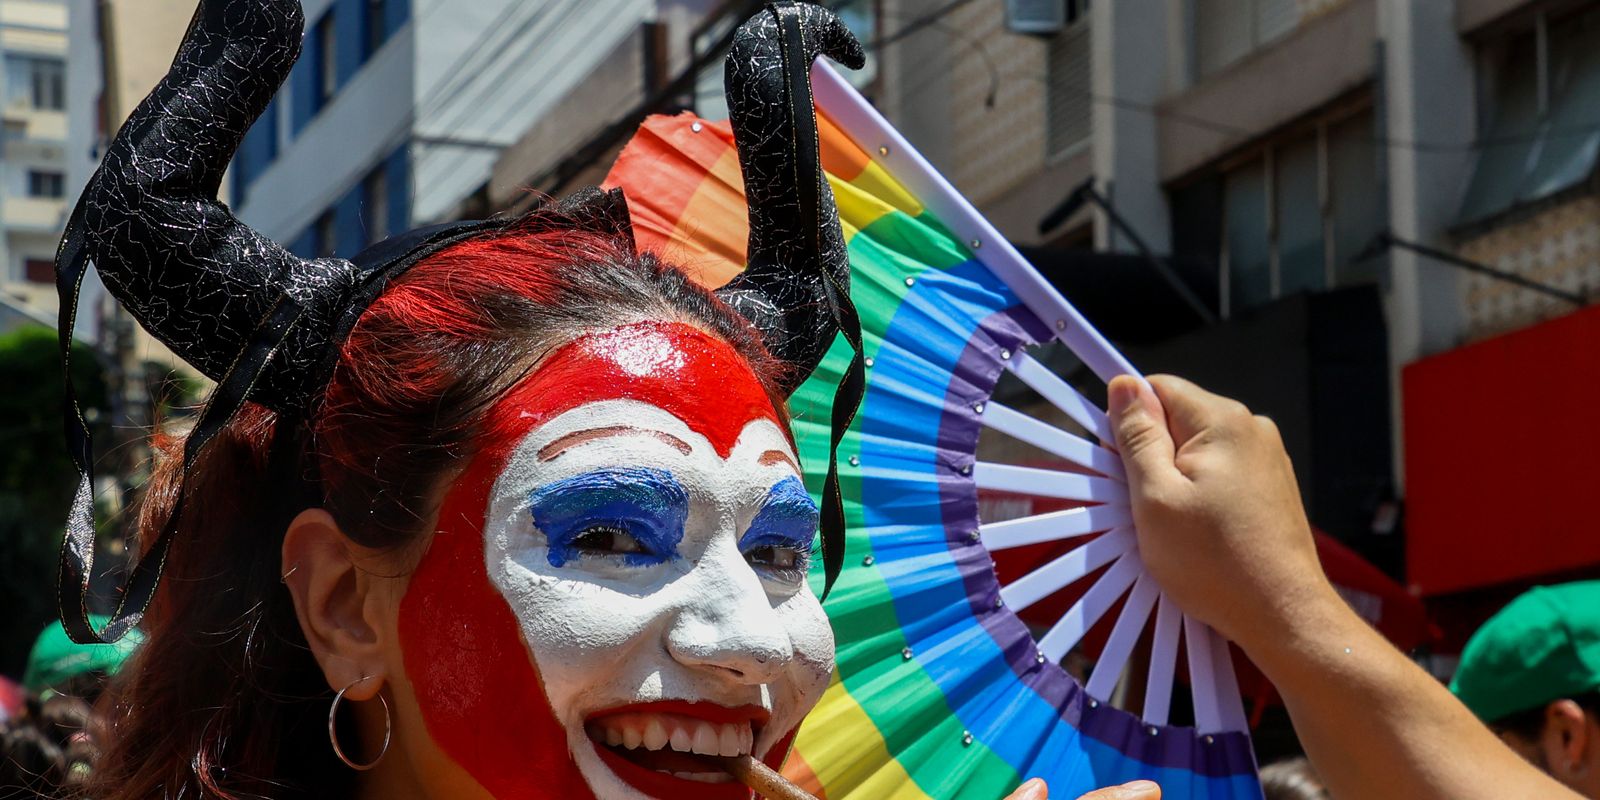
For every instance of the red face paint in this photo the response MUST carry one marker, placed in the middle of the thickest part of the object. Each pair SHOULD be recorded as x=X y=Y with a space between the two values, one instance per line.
x=481 y=696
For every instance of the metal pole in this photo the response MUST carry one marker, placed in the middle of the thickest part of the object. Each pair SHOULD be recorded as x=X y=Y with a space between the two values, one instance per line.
x=1389 y=240
x=1193 y=300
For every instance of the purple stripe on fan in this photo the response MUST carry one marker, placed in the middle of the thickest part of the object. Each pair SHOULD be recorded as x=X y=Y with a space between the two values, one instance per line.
x=974 y=378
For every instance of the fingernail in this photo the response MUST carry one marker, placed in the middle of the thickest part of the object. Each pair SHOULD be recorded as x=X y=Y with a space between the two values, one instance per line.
x=1122 y=396
x=1139 y=789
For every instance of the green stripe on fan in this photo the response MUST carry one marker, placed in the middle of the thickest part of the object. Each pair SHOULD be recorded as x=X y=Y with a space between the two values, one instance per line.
x=900 y=698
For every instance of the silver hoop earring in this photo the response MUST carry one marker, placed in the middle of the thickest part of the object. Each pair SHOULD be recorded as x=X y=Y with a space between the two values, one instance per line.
x=333 y=735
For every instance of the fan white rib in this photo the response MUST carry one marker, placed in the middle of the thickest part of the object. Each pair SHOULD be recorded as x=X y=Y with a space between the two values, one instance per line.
x=1049 y=483
x=1054 y=526
x=1124 y=635
x=1062 y=570
x=1053 y=440
x=1229 y=703
x=1163 y=662
x=1202 y=675
x=1039 y=378
x=1069 y=630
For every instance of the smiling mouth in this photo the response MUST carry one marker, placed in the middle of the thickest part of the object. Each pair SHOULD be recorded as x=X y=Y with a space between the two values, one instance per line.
x=660 y=748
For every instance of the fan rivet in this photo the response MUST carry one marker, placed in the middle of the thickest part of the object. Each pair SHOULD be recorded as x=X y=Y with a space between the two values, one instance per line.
x=975 y=536
x=696 y=127
x=883 y=149
x=868 y=361
x=1039 y=657
x=966 y=469
x=855 y=461
x=1093 y=703
x=1209 y=740
x=978 y=406
x=1061 y=324
x=905 y=655
x=976 y=243
x=966 y=738
x=1152 y=730
x=868 y=561
x=999 y=603
x=911 y=281
x=1005 y=355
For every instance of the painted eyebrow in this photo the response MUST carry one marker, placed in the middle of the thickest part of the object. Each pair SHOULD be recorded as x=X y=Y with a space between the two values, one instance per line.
x=571 y=440
x=777 y=457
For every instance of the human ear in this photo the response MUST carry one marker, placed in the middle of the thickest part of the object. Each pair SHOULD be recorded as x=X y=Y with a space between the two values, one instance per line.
x=1566 y=739
x=331 y=600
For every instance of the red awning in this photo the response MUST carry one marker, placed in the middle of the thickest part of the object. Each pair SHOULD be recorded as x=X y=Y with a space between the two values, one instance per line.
x=1501 y=446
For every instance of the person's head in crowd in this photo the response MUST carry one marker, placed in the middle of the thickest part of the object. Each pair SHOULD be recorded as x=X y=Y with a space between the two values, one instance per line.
x=1292 y=779
x=1532 y=673
x=58 y=665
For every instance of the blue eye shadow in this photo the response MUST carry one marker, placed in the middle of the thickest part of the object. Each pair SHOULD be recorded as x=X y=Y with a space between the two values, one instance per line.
x=788 y=518
x=648 y=504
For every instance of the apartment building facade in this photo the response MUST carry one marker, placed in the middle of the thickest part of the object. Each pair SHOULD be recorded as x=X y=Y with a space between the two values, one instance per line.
x=33 y=111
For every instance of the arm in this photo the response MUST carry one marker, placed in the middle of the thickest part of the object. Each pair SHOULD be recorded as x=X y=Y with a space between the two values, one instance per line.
x=1222 y=529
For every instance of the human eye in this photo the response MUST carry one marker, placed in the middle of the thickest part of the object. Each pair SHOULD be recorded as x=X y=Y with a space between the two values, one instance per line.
x=787 y=563
x=606 y=538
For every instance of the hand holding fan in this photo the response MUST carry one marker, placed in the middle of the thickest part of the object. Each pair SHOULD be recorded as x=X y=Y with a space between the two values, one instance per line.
x=941 y=690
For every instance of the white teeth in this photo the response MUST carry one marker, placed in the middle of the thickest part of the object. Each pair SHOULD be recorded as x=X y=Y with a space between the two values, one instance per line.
x=747 y=740
x=728 y=744
x=613 y=737
x=706 y=741
x=632 y=737
x=682 y=741
x=655 y=736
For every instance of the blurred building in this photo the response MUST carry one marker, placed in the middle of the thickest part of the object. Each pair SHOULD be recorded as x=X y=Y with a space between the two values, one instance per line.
x=33 y=106
x=1325 y=187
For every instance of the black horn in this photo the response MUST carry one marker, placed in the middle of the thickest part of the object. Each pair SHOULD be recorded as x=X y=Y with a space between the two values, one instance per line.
x=795 y=286
x=232 y=303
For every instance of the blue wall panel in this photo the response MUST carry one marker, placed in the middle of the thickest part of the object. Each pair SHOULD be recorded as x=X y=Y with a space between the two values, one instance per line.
x=350 y=230
x=303 y=87
x=398 y=174
x=395 y=15
x=349 y=32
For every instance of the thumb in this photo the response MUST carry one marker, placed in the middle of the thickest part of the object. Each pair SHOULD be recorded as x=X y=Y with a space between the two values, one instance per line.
x=1140 y=425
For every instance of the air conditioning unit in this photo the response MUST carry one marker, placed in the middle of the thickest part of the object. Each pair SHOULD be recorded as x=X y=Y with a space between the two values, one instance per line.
x=1036 y=16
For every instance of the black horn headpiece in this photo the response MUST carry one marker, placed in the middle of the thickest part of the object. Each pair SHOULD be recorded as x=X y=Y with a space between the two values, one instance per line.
x=266 y=324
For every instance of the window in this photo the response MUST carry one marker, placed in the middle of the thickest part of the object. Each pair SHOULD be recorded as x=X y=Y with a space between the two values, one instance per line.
x=46 y=184
x=1541 y=134
x=39 y=270
x=34 y=82
x=325 y=236
x=327 y=77
x=1226 y=31
x=1070 y=90
x=1294 y=215
x=376 y=204
x=372 y=27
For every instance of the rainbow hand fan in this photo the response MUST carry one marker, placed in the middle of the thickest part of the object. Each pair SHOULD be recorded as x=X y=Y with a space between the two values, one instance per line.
x=942 y=690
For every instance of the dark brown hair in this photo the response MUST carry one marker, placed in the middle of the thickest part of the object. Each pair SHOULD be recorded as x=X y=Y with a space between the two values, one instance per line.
x=224 y=699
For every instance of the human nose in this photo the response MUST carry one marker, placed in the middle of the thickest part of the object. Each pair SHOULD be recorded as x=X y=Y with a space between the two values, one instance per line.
x=728 y=624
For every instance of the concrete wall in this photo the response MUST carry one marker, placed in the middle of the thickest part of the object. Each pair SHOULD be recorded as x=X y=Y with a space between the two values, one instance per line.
x=1130 y=40
x=1323 y=59
x=1558 y=246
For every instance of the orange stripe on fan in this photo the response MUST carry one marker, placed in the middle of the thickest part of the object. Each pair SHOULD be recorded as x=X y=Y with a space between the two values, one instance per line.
x=840 y=156
x=800 y=774
x=712 y=235
x=658 y=182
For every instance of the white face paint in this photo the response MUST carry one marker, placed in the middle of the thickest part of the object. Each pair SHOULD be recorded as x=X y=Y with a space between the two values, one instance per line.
x=582 y=539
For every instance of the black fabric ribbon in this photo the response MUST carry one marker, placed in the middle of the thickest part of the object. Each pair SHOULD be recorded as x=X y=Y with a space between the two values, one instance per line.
x=77 y=549
x=811 y=181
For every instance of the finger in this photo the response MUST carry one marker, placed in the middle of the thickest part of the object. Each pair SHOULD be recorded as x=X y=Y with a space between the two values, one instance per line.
x=1032 y=790
x=1191 y=409
x=1140 y=426
x=1137 y=790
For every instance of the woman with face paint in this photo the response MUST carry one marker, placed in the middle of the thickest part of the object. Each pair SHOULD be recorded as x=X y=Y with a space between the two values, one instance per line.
x=493 y=509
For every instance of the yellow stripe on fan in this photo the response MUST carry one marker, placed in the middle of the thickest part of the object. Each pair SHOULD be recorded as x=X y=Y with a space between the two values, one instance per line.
x=839 y=742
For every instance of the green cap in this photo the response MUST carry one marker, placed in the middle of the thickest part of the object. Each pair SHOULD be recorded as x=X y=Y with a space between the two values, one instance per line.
x=1542 y=647
x=56 y=658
